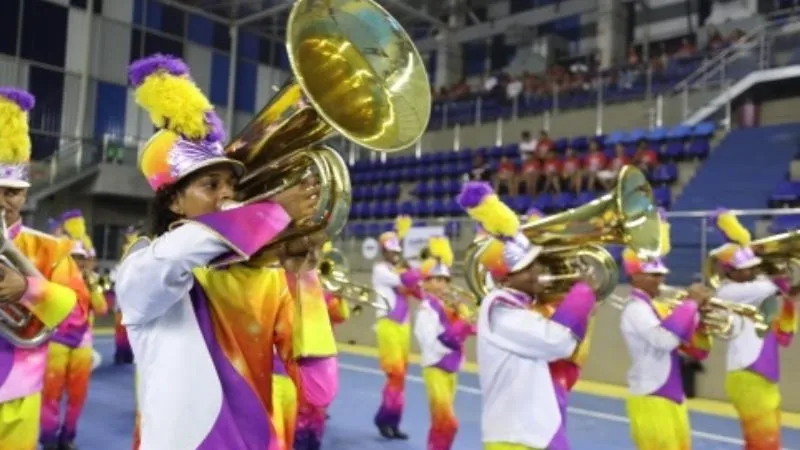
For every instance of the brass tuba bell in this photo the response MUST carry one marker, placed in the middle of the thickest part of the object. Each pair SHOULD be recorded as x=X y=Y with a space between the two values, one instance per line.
x=573 y=240
x=356 y=73
x=334 y=270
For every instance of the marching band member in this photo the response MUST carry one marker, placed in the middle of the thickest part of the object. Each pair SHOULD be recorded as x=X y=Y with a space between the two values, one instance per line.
x=314 y=348
x=122 y=346
x=441 y=331
x=565 y=372
x=654 y=334
x=753 y=362
x=50 y=300
x=338 y=308
x=197 y=318
x=70 y=353
x=515 y=342
x=395 y=281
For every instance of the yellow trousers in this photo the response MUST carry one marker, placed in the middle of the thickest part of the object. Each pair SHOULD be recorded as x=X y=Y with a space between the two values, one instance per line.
x=505 y=446
x=758 y=404
x=658 y=423
x=284 y=410
x=19 y=423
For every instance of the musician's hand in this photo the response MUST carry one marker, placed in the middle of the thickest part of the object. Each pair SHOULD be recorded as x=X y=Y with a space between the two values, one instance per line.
x=699 y=293
x=299 y=201
x=12 y=285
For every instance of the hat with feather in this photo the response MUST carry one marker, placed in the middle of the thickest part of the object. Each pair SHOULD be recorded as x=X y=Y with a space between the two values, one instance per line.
x=736 y=253
x=190 y=133
x=15 y=140
x=634 y=263
x=510 y=251
x=390 y=240
x=74 y=226
x=439 y=259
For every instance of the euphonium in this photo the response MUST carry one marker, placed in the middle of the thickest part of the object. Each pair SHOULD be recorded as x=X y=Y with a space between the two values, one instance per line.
x=356 y=73
x=335 y=276
x=18 y=325
x=573 y=240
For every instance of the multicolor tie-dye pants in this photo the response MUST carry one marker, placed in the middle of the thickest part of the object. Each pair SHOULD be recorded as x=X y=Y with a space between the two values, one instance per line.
x=441 y=389
x=658 y=423
x=506 y=446
x=394 y=340
x=68 y=371
x=284 y=410
x=758 y=403
x=19 y=423
x=310 y=427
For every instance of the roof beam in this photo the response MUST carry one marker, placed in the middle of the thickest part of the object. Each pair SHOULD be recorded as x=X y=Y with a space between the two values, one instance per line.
x=269 y=12
x=532 y=17
x=410 y=10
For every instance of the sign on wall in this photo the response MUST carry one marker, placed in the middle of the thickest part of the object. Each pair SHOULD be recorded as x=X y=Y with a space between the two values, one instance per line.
x=417 y=239
x=370 y=248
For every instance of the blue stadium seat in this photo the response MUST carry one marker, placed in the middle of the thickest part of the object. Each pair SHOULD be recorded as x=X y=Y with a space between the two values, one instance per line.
x=782 y=224
x=663 y=196
x=785 y=192
x=665 y=174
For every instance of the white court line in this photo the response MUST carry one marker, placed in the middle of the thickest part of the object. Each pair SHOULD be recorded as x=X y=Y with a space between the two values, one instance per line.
x=577 y=411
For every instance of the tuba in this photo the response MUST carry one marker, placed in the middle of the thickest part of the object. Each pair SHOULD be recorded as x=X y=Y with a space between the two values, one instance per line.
x=334 y=271
x=573 y=241
x=356 y=73
x=18 y=325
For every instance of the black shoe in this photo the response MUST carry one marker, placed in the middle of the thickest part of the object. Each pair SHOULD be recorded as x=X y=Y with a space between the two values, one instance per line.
x=386 y=432
x=70 y=446
x=399 y=434
x=51 y=447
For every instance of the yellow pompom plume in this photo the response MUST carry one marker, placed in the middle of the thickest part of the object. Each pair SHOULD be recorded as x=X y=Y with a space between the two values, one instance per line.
x=666 y=243
x=327 y=247
x=402 y=224
x=439 y=247
x=164 y=88
x=732 y=229
x=74 y=224
x=483 y=205
x=15 y=141
x=427 y=266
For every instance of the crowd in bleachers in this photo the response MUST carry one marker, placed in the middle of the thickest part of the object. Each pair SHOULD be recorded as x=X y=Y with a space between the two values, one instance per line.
x=583 y=168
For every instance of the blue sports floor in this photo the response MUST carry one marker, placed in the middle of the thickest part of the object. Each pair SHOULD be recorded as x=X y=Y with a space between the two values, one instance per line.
x=595 y=423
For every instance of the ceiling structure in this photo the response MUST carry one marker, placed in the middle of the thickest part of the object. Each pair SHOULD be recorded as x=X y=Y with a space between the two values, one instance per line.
x=421 y=18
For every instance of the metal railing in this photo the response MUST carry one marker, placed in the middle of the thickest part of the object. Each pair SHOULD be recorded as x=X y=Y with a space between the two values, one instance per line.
x=73 y=156
x=693 y=236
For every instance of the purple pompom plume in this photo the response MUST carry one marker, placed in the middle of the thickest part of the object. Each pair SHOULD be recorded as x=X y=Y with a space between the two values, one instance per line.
x=473 y=193
x=71 y=214
x=216 y=131
x=140 y=69
x=24 y=99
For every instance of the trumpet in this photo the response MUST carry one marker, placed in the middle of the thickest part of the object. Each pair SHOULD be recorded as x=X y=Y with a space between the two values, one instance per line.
x=18 y=325
x=717 y=316
x=462 y=301
x=334 y=271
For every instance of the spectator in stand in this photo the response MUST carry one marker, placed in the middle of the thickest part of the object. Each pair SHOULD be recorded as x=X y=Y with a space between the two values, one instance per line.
x=551 y=168
x=645 y=157
x=460 y=91
x=595 y=163
x=514 y=88
x=715 y=40
x=544 y=145
x=687 y=49
x=505 y=178
x=572 y=171
x=527 y=145
x=609 y=176
x=531 y=173
x=480 y=169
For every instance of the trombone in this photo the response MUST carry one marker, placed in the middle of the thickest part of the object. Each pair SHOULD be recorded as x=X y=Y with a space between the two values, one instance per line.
x=334 y=271
x=717 y=316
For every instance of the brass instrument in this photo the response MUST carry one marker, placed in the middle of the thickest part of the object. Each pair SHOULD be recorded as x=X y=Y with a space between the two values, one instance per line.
x=573 y=240
x=717 y=316
x=18 y=325
x=461 y=301
x=334 y=271
x=356 y=73
x=780 y=254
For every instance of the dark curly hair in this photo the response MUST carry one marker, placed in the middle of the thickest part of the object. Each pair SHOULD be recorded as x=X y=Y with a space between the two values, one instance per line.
x=163 y=217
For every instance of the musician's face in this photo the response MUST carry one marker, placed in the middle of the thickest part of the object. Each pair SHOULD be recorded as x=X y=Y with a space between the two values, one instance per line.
x=205 y=193
x=12 y=200
x=648 y=282
x=435 y=284
x=392 y=257
x=743 y=275
x=83 y=263
x=526 y=280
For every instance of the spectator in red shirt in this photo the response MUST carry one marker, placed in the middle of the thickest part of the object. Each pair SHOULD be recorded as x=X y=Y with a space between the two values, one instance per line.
x=544 y=145
x=645 y=158
x=551 y=168
x=609 y=176
x=572 y=171
x=505 y=179
x=595 y=163
x=531 y=174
